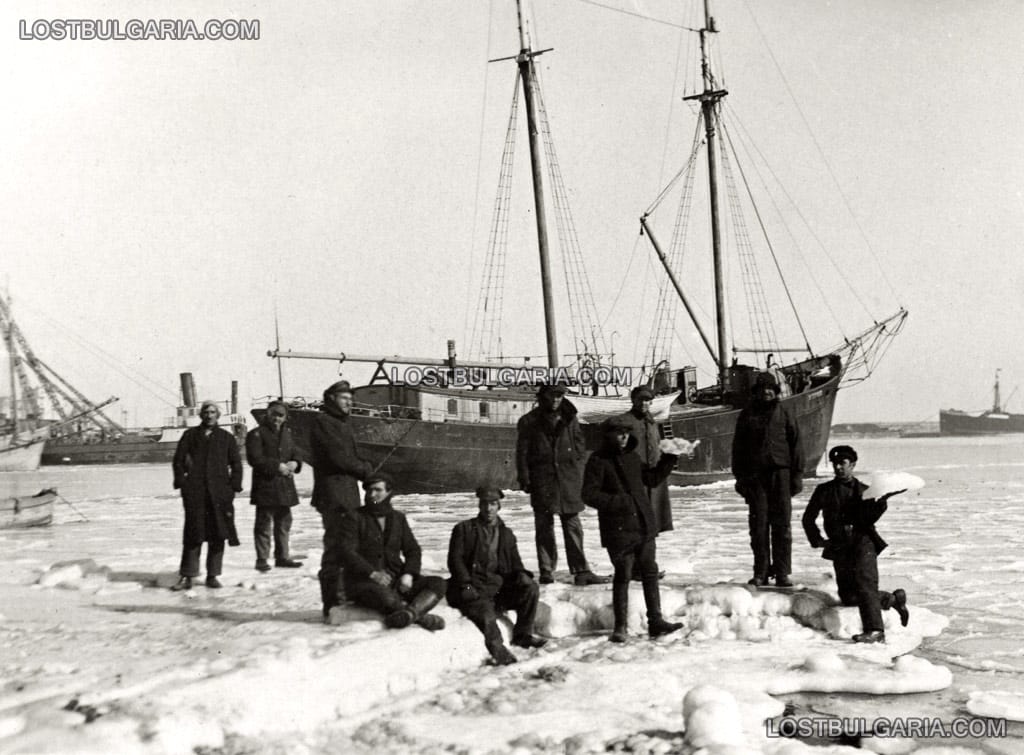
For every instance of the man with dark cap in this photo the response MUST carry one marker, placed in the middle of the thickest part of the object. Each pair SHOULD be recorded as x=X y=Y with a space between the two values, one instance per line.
x=768 y=463
x=644 y=428
x=337 y=468
x=382 y=562
x=615 y=483
x=549 y=463
x=853 y=543
x=488 y=577
x=275 y=459
x=208 y=471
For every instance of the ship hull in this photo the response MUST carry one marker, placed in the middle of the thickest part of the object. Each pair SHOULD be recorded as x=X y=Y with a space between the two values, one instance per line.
x=448 y=457
x=23 y=457
x=33 y=511
x=952 y=422
x=132 y=452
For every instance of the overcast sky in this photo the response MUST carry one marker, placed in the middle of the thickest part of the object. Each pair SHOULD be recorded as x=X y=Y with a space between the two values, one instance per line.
x=159 y=198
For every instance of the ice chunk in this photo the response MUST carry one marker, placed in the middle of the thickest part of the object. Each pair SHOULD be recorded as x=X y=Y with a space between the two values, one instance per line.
x=880 y=483
x=996 y=704
x=678 y=446
x=711 y=717
x=909 y=674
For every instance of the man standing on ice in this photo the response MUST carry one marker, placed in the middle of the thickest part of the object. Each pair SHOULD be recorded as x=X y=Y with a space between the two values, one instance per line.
x=208 y=471
x=644 y=428
x=549 y=463
x=337 y=468
x=488 y=577
x=275 y=460
x=768 y=463
x=853 y=543
x=382 y=562
x=615 y=483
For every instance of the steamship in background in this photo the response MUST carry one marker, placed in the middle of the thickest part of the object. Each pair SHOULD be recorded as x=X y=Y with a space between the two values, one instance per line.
x=89 y=443
x=995 y=421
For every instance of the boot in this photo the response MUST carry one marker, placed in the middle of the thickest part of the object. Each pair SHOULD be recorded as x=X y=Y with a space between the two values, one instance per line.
x=529 y=641
x=185 y=583
x=874 y=636
x=399 y=619
x=899 y=602
x=328 y=592
x=287 y=563
x=421 y=605
x=584 y=578
x=262 y=565
x=783 y=580
x=620 y=608
x=213 y=582
x=495 y=645
x=656 y=625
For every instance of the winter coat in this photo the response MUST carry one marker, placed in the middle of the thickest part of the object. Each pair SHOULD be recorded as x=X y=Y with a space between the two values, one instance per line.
x=208 y=468
x=615 y=483
x=266 y=450
x=468 y=559
x=366 y=548
x=550 y=458
x=337 y=466
x=846 y=514
x=645 y=429
x=766 y=437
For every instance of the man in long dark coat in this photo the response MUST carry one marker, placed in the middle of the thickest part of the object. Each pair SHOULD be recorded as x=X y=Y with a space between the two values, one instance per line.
x=550 y=453
x=488 y=577
x=615 y=483
x=853 y=543
x=382 y=562
x=644 y=428
x=208 y=471
x=337 y=470
x=768 y=464
x=275 y=459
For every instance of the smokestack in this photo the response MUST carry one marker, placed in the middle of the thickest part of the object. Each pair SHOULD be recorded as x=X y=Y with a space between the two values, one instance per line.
x=234 y=397
x=188 y=389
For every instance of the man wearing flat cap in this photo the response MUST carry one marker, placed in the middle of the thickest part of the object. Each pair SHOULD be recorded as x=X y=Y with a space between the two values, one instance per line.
x=644 y=428
x=208 y=471
x=853 y=543
x=382 y=561
x=768 y=464
x=488 y=577
x=337 y=469
x=550 y=453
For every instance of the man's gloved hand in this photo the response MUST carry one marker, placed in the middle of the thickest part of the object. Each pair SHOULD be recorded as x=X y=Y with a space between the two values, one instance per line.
x=468 y=593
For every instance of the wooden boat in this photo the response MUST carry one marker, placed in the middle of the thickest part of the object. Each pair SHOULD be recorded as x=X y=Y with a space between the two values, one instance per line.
x=436 y=435
x=18 y=512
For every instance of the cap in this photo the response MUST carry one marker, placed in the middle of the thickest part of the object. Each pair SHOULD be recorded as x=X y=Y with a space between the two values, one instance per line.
x=553 y=388
x=838 y=453
x=615 y=424
x=641 y=393
x=342 y=386
x=378 y=477
x=489 y=493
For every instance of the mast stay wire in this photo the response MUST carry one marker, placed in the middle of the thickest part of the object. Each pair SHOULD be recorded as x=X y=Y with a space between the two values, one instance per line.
x=821 y=154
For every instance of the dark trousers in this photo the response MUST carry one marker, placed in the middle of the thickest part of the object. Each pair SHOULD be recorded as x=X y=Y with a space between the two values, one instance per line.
x=385 y=600
x=547 y=550
x=770 y=510
x=643 y=558
x=276 y=520
x=856 y=567
x=483 y=612
x=214 y=559
x=332 y=591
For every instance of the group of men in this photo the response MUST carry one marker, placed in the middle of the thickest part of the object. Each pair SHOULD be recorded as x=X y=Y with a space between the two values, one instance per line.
x=372 y=558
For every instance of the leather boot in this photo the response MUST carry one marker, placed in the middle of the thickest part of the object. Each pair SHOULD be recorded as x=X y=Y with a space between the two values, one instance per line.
x=185 y=583
x=620 y=608
x=656 y=624
x=421 y=605
x=328 y=592
x=495 y=645
x=899 y=602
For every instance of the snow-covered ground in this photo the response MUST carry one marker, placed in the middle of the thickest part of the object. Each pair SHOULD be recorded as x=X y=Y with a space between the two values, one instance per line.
x=97 y=656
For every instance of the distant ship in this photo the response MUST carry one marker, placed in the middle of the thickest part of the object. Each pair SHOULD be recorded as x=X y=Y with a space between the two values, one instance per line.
x=96 y=445
x=992 y=422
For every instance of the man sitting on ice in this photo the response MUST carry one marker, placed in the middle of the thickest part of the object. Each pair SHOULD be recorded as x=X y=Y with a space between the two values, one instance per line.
x=382 y=561
x=853 y=544
x=488 y=577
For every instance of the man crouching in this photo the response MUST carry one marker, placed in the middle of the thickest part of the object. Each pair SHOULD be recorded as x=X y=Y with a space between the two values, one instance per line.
x=488 y=577
x=382 y=562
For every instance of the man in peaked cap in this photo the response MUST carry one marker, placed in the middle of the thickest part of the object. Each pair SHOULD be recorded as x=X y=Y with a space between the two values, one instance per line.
x=382 y=561
x=337 y=468
x=644 y=428
x=488 y=577
x=550 y=453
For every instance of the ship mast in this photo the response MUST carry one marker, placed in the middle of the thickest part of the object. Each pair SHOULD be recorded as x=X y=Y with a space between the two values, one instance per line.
x=996 y=407
x=709 y=100
x=526 y=71
x=14 y=395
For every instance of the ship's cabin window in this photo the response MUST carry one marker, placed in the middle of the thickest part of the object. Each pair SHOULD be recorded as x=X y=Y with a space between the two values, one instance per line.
x=453 y=406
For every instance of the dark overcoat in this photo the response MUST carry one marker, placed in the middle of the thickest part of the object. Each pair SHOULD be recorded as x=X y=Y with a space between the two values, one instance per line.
x=266 y=450
x=615 y=483
x=208 y=471
x=337 y=466
x=766 y=437
x=645 y=429
x=468 y=560
x=846 y=514
x=550 y=458
x=366 y=548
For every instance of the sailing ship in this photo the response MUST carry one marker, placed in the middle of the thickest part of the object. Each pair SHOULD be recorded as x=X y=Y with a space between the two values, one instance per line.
x=439 y=436
x=995 y=421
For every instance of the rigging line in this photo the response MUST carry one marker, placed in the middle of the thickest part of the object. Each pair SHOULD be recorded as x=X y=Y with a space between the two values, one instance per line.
x=675 y=179
x=821 y=154
x=479 y=169
x=671 y=107
x=821 y=245
x=622 y=285
x=637 y=15
x=764 y=232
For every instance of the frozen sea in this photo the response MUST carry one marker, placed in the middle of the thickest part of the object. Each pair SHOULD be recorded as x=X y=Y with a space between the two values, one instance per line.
x=97 y=656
